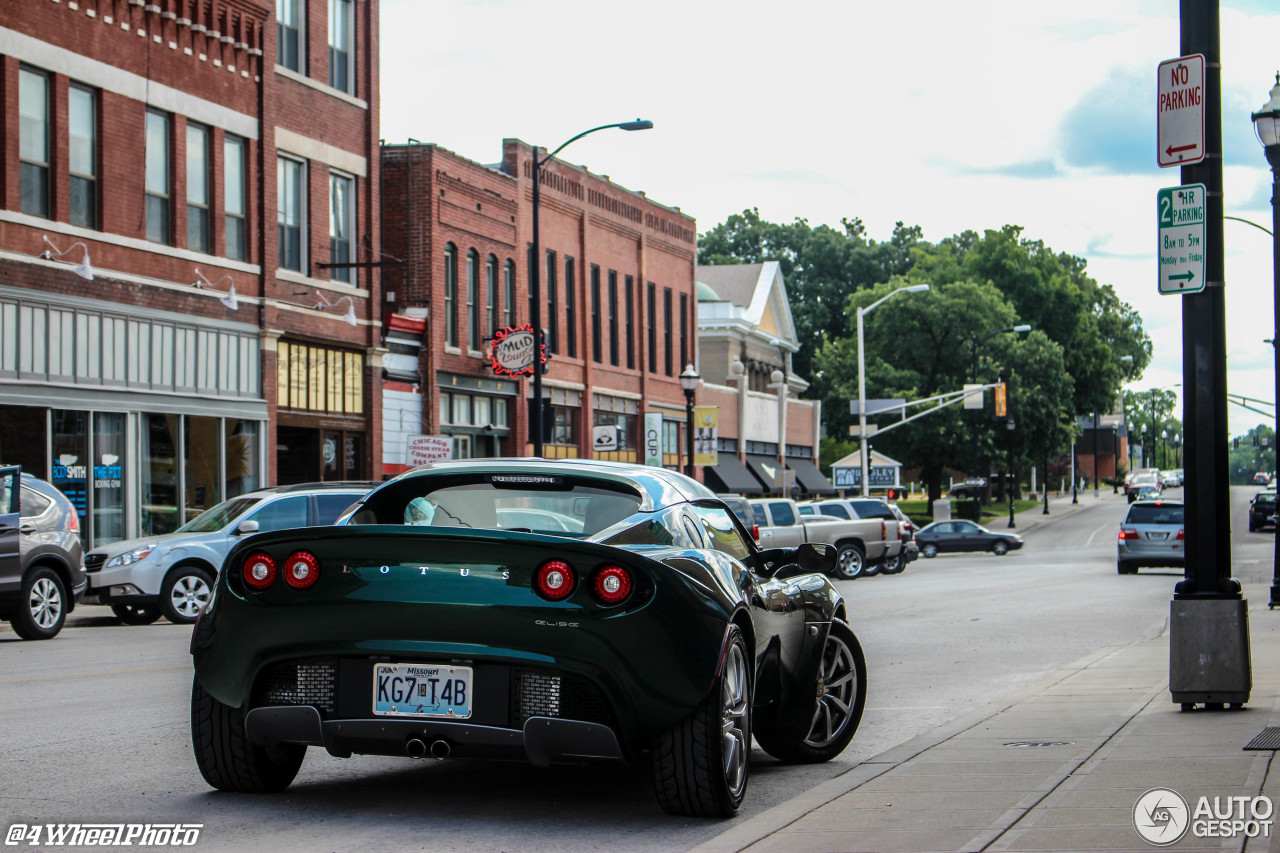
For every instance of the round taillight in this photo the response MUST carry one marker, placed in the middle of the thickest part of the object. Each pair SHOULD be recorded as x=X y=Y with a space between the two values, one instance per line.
x=612 y=585
x=555 y=580
x=301 y=570
x=259 y=570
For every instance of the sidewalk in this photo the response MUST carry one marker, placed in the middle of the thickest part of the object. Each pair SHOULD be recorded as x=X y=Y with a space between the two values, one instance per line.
x=1058 y=765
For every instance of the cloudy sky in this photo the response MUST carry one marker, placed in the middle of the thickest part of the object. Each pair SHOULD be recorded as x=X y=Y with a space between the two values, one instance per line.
x=946 y=115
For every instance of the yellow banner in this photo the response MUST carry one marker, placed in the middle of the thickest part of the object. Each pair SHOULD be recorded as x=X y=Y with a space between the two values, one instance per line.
x=705 y=422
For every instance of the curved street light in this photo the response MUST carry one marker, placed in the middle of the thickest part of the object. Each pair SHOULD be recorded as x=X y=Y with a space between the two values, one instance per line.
x=689 y=380
x=1266 y=122
x=535 y=276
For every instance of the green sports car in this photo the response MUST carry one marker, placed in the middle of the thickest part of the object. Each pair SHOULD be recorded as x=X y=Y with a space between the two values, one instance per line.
x=552 y=611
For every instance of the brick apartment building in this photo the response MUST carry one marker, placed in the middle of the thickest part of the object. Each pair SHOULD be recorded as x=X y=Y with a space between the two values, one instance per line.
x=190 y=167
x=619 y=304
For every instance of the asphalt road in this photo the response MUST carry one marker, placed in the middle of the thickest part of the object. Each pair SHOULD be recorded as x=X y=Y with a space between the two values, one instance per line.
x=93 y=724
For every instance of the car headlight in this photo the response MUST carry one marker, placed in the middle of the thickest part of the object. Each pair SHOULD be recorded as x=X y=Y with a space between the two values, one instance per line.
x=131 y=556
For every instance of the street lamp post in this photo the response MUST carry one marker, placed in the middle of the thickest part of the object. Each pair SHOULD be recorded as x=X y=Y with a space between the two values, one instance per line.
x=1009 y=425
x=1266 y=122
x=974 y=343
x=535 y=275
x=689 y=380
x=862 y=382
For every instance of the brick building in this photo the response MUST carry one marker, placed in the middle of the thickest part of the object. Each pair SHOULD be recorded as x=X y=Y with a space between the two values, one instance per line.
x=619 y=304
x=189 y=168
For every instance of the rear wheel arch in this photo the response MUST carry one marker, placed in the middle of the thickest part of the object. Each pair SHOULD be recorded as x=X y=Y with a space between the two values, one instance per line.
x=60 y=568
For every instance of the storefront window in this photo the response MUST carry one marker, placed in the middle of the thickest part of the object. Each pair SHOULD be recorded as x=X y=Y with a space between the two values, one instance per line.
x=109 y=470
x=243 y=457
x=71 y=460
x=481 y=411
x=446 y=408
x=625 y=423
x=461 y=409
x=499 y=412
x=565 y=429
x=159 y=474
x=203 y=463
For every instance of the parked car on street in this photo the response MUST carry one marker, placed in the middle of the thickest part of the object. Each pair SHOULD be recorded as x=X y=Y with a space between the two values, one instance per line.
x=1262 y=510
x=960 y=535
x=742 y=509
x=659 y=635
x=1262 y=478
x=1170 y=479
x=172 y=575
x=863 y=545
x=1150 y=535
x=41 y=559
x=1142 y=478
x=865 y=508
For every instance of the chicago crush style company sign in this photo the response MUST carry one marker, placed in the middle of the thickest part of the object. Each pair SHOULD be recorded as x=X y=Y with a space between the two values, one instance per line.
x=512 y=349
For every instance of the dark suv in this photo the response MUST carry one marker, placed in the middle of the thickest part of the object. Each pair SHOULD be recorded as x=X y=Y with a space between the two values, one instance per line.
x=1261 y=510
x=41 y=560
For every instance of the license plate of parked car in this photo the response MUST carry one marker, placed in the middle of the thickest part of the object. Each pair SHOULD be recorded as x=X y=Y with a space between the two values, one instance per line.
x=421 y=690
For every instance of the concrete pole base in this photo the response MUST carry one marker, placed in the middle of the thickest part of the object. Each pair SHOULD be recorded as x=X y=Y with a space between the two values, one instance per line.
x=1209 y=651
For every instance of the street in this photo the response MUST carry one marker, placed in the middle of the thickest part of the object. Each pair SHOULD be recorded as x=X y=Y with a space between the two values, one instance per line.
x=94 y=723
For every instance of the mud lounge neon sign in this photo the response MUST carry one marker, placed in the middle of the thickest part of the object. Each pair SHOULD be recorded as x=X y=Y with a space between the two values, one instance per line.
x=512 y=350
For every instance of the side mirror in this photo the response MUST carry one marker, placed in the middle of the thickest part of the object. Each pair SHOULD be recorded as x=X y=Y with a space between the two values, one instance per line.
x=244 y=528
x=816 y=558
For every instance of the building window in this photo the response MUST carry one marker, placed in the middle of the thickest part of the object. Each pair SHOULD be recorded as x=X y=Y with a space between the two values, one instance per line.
x=613 y=317
x=291 y=176
x=491 y=285
x=342 y=204
x=341 y=46
x=552 y=320
x=684 y=325
x=289 y=29
x=564 y=429
x=666 y=330
x=629 y=336
x=82 y=133
x=473 y=299
x=509 y=293
x=530 y=274
x=233 y=158
x=450 y=295
x=570 y=308
x=197 y=188
x=157 y=177
x=596 y=352
x=320 y=379
x=653 y=328
x=625 y=425
x=33 y=147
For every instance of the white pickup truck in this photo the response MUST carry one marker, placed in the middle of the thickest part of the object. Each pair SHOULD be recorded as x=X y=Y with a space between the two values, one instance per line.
x=858 y=542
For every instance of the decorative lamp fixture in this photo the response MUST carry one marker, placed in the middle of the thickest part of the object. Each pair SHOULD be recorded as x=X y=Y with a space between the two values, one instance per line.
x=1266 y=121
x=689 y=380
x=82 y=269
x=322 y=302
x=228 y=299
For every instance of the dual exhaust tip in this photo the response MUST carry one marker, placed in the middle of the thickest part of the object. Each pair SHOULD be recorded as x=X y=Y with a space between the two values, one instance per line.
x=417 y=748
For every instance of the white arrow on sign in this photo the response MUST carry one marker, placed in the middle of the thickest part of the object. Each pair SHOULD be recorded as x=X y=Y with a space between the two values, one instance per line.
x=1180 y=111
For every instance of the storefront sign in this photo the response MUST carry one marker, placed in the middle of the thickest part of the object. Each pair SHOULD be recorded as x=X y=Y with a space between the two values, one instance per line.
x=511 y=352
x=69 y=476
x=421 y=449
x=108 y=475
x=604 y=437
x=653 y=438
x=848 y=478
x=706 y=420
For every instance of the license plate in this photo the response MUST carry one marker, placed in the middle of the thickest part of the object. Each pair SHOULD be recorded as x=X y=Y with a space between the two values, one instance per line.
x=1159 y=536
x=421 y=690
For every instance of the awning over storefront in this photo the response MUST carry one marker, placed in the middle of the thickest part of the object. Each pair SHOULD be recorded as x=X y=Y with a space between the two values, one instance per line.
x=729 y=475
x=766 y=470
x=810 y=478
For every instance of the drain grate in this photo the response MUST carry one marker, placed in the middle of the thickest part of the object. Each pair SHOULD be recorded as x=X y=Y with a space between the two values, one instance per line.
x=1268 y=739
x=1031 y=744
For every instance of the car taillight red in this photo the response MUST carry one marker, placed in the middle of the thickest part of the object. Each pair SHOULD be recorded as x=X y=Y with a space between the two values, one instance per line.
x=74 y=524
x=555 y=580
x=1180 y=536
x=1128 y=534
x=301 y=570
x=611 y=585
x=755 y=532
x=259 y=570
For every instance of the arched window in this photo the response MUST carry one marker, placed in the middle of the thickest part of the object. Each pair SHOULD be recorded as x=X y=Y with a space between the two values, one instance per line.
x=450 y=295
x=473 y=299
x=491 y=286
x=509 y=293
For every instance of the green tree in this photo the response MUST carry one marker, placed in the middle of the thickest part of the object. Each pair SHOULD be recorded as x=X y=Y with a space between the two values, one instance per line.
x=1251 y=453
x=1150 y=415
x=1040 y=400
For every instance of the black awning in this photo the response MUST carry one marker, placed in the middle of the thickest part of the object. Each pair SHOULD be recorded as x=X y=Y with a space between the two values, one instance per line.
x=729 y=475
x=766 y=470
x=810 y=478
x=410 y=376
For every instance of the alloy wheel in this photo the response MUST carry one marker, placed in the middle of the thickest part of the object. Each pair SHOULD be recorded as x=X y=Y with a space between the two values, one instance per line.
x=837 y=689
x=189 y=595
x=45 y=603
x=735 y=721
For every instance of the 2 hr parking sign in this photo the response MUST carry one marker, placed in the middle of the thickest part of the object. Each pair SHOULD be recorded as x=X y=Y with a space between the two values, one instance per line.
x=1181 y=233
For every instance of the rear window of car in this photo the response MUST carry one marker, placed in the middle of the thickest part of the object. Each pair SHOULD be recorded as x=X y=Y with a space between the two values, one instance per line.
x=330 y=506
x=1154 y=514
x=871 y=509
x=834 y=510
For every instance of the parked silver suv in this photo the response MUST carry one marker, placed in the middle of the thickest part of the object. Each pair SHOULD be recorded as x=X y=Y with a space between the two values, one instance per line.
x=41 y=560
x=172 y=575
x=1151 y=535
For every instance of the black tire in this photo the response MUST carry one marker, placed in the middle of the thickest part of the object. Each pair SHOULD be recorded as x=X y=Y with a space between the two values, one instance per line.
x=840 y=698
x=896 y=564
x=1125 y=567
x=226 y=758
x=1000 y=548
x=701 y=766
x=42 y=610
x=851 y=562
x=1252 y=527
x=929 y=550
x=136 y=614
x=184 y=593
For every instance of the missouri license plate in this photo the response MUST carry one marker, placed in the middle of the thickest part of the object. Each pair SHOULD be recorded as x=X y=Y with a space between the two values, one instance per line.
x=421 y=690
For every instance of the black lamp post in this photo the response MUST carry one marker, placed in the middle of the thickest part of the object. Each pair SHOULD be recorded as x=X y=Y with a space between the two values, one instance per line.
x=689 y=380
x=1009 y=425
x=535 y=274
x=1266 y=122
x=974 y=343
